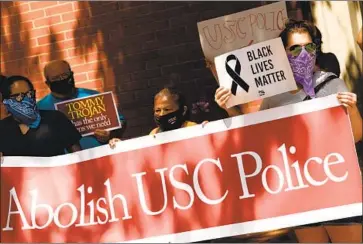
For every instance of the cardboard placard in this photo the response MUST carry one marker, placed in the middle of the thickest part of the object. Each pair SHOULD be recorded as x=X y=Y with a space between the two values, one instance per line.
x=238 y=30
x=90 y=113
x=254 y=72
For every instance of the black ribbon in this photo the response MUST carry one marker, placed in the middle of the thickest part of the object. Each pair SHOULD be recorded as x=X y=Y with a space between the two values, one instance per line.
x=235 y=75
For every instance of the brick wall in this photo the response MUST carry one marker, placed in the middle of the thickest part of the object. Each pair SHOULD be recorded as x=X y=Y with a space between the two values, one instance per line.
x=130 y=48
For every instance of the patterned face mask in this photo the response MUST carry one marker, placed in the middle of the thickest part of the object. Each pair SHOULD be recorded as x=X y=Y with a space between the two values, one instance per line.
x=23 y=107
x=302 y=66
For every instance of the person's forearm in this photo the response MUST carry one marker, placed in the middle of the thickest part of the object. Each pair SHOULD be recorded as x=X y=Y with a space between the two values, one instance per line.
x=234 y=111
x=357 y=125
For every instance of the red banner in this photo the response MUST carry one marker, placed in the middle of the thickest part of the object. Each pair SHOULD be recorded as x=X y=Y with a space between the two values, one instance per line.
x=278 y=168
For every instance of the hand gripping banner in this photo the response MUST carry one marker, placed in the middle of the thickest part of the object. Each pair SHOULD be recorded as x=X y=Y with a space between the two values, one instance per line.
x=192 y=184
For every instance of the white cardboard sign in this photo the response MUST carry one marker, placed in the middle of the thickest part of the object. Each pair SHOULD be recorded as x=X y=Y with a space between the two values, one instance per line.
x=238 y=30
x=255 y=72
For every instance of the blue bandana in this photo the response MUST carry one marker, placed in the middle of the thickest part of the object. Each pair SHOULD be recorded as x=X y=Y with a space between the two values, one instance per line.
x=25 y=111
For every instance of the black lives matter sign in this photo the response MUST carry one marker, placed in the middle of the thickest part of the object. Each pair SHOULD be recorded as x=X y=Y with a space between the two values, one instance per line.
x=258 y=71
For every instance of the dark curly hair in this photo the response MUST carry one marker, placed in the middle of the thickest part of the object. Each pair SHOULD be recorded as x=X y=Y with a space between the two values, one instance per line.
x=298 y=26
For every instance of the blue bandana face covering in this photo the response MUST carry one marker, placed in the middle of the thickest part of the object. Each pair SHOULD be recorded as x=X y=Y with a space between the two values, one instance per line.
x=25 y=111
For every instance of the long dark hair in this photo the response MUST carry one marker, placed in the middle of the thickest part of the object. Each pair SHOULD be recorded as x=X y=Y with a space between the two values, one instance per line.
x=7 y=82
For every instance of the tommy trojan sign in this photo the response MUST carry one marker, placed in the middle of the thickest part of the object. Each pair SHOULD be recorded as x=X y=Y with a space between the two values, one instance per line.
x=90 y=113
x=191 y=184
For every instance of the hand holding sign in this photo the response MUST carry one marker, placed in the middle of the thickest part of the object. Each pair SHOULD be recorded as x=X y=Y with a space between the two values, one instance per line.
x=102 y=136
x=221 y=97
x=258 y=71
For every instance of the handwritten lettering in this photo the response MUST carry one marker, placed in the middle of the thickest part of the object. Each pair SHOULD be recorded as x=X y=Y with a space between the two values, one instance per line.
x=237 y=30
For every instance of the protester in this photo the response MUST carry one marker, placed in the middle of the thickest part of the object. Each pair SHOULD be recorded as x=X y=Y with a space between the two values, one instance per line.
x=294 y=37
x=29 y=131
x=298 y=39
x=60 y=80
x=170 y=112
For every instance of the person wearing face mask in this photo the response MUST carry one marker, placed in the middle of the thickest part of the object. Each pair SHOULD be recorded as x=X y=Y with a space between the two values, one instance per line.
x=170 y=113
x=297 y=38
x=29 y=131
x=60 y=80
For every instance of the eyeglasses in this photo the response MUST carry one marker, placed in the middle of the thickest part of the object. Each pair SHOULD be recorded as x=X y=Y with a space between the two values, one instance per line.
x=68 y=80
x=20 y=96
x=295 y=50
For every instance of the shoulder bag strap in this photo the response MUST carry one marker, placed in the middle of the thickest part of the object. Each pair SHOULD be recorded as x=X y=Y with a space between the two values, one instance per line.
x=321 y=85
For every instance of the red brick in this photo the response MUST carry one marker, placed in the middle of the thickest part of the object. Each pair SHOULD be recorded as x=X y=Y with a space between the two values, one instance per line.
x=100 y=8
x=24 y=45
x=42 y=4
x=132 y=86
x=157 y=63
x=80 y=77
x=64 y=8
x=80 y=14
x=16 y=10
x=53 y=20
x=91 y=84
x=8 y=20
x=108 y=18
x=130 y=4
x=42 y=93
x=39 y=85
x=60 y=27
x=33 y=15
x=48 y=39
x=80 y=5
x=93 y=75
x=37 y=77
x=84 y=67
x=19 y=3
x=57 y=46
x=76 y=61
x=13 y=55
x=45 y=58
x=39 y=32
x=74 y=52
x=92 y=57
x=147 y=74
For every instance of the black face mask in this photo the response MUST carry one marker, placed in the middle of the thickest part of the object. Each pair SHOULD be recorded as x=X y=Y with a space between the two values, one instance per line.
x=63 y=87
x=170 y=121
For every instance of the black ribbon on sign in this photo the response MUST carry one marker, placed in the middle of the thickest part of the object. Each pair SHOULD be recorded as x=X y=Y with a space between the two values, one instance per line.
x=235 y=75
